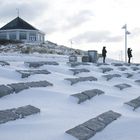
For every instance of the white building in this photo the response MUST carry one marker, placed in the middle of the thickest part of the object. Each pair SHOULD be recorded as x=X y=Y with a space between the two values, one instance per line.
x=18 y=29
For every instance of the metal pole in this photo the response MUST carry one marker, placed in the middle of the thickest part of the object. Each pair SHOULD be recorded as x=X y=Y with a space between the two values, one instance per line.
x=126 y=44
x=126 y=33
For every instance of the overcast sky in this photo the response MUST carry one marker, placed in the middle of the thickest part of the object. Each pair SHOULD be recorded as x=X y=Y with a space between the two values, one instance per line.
x=90 y=24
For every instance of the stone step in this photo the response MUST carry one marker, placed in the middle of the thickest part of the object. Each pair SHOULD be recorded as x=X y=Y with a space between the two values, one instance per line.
x=88 y=94
x=17 y=113
x=81 y=79
x=89 y=128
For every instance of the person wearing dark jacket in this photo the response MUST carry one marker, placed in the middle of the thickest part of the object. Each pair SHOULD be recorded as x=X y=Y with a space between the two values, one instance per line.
x=104 y=53
x=129 y=52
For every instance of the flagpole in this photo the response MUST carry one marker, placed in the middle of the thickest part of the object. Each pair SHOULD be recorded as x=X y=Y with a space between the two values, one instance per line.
x=17 y=12
x=125 y=43
x=126 y=33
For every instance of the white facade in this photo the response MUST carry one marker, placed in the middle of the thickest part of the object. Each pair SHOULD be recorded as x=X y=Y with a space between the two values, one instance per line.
x=27 y=36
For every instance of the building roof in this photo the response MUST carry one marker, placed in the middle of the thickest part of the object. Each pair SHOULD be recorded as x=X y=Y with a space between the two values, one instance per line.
x=18 y=23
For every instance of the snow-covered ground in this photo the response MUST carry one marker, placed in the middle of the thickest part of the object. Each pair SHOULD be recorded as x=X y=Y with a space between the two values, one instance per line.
x=60 y=111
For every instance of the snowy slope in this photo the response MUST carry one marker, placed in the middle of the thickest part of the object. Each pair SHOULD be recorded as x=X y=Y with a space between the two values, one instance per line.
x=60 y=111
x=47 y=47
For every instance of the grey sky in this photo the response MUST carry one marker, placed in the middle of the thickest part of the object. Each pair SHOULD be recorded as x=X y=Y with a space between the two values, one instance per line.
x=28 y=10
x=84 y=21
x=96 y=36
x=78 y=19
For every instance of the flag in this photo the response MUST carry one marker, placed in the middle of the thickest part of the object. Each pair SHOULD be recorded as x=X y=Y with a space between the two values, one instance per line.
x=128 y=32
x=124 y=26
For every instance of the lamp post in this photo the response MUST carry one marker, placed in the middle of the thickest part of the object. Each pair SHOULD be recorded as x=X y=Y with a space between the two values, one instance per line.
x=126 y=33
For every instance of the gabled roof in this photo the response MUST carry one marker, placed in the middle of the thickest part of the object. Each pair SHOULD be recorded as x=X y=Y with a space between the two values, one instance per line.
x=18 y=23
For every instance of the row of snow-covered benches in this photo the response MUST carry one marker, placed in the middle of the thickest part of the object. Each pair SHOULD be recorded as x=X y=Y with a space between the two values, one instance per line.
x=89 y=128
x=83 y=131
x=17 y=87
x=83 y=96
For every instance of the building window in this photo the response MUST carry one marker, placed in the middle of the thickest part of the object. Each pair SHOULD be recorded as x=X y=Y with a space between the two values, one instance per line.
x=3 y=36
x=32 y=36
x=39 y=37
x=22 y=36
x=12 y=35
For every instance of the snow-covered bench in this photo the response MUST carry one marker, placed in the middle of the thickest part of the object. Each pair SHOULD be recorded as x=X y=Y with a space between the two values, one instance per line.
x=74 y=64
x=117 y=64
x=89 y=128
x=128 y=75
x=135 y=103
x=17 y=113
x=5 y=90
x=4 y=63
x=110 y=76
x=17 y=87
x=101 y=64
x=137 y=81
x=106 y=69
x=135 y=68
x=81 y=79
x=41 y=63
x=122 y=86
x=77 y=71
x=122 y=68
x=86 y=95
x=26 y=73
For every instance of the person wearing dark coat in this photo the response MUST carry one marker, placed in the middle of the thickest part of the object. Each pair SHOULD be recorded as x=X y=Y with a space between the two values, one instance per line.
x=104 y=53
x=129 y=52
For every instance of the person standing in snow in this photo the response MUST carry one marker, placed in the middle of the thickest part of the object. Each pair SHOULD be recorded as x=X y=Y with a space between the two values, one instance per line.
x=104 y=53
x=129 y=52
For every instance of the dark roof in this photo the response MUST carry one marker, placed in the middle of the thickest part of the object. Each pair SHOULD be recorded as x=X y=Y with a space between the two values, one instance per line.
x=18 y=23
